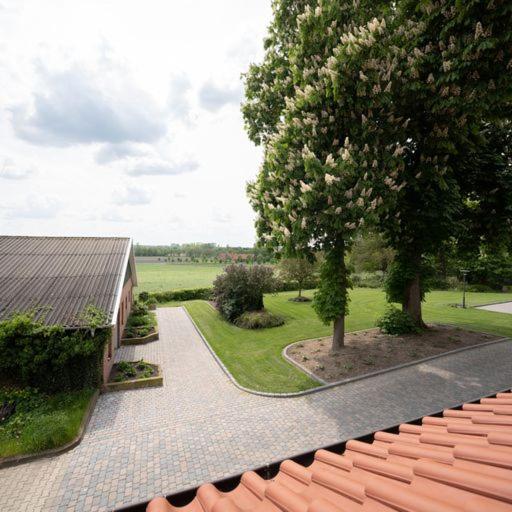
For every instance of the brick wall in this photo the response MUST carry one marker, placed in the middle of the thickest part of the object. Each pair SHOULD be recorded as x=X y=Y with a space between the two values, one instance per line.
x=125 y=307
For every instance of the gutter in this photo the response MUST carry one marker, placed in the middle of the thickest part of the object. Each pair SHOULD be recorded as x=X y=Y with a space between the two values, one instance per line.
x=121 y=283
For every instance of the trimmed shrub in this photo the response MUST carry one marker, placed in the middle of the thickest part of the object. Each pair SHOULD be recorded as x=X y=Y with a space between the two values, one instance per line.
x=51 y=358
x=182 y=295
x=395 y=321
x=258 y=320
x=207 y=293
x=241 y=287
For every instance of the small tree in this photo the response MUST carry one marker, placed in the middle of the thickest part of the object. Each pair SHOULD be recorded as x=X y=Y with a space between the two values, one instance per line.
x=240 y=289
x=297 y=270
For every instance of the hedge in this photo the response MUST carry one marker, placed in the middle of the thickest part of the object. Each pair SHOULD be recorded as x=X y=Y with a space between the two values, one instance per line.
x=206 y=293
x=51 y=358
x=182 y=295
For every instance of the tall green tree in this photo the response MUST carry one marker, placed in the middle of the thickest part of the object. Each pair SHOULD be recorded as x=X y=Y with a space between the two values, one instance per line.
x=331 y=166
x=364 y=110
x=459 y=78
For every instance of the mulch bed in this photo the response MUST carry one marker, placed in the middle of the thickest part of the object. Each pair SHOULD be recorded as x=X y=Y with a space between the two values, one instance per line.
x=140 y=373
x=369 y=351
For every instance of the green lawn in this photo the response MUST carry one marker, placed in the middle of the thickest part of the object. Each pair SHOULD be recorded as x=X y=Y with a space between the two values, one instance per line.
x=254 y=357
x=48 y=422
x=154 y=277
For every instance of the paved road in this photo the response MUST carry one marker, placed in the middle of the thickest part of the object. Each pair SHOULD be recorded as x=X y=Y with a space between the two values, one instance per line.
x=504 y=307
x=199 y=427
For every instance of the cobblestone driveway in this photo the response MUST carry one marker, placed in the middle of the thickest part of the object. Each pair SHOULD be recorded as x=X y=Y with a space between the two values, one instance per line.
x=199 y=427
x=502 y=307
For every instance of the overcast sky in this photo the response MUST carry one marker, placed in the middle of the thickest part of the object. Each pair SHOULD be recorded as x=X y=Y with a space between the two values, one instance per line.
x=123 y=118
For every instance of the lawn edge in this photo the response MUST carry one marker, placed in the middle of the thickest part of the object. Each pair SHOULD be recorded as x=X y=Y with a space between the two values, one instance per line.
x=331 y=384
x=16 y=460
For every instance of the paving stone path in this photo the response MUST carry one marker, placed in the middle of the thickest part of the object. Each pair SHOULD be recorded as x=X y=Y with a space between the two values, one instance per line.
x=199 y=427
x=502 y=307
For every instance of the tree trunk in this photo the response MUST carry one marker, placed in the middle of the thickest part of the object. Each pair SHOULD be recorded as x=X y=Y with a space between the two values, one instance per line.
x=412 y=301
x=338 y=337
x=300 y=292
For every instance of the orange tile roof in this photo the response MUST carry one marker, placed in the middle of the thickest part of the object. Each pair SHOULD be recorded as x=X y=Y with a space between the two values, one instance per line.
x=460 y=461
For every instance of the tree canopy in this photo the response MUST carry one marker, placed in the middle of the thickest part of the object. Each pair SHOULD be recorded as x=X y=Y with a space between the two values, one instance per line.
x=364 y=110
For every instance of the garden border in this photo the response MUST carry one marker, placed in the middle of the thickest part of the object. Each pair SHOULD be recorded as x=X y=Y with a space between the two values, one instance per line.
x=331 y=384
x=127 y=385
x=142 y=340
x=17 y=460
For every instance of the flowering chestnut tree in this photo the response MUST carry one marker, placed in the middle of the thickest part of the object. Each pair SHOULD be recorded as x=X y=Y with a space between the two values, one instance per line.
x=365 y=111
x=459 y=57
x=321 y=104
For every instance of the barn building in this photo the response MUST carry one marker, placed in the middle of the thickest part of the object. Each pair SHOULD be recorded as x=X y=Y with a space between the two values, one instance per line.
x=56 y=278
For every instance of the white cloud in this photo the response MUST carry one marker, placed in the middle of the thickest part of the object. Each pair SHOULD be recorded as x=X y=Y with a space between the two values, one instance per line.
x=160 y=167
x=109 y=153
x=35 y=207
x=221 y=217
x=97 y=109
x=79 y=106
x=133 y=196
x=178 y=101
x=114 y=216
x=213 y=97
x=9 y=170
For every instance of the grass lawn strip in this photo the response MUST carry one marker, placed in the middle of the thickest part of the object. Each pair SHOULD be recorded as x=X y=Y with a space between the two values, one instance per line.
x=254 y=357
x=44 y=422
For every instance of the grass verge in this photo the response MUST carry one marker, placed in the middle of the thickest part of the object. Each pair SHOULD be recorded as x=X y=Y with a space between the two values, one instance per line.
x=254 y=357
x=48 y=422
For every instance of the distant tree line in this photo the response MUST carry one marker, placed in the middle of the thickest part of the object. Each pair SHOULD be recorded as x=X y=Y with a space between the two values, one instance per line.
x=205 y=253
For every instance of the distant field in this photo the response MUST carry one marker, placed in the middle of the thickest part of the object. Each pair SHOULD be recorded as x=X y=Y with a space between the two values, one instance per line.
x=154 y=277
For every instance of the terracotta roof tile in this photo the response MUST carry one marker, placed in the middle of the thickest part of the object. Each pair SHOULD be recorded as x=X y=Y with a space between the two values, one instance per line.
x=460 y=461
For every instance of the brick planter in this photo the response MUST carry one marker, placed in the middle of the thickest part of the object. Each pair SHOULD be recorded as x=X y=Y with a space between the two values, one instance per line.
x=152 y=336
x=151 y=382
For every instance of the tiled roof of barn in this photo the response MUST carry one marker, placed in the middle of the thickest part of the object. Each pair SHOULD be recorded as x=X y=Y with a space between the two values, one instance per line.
x=460 y=461
x=57 y=277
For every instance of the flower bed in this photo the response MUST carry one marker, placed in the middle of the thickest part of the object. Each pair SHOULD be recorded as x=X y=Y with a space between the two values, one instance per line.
x=134 y=375
x=141 y=325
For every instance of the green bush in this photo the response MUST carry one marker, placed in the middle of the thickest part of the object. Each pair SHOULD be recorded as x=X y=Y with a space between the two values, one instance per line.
x=258 y=320
x=478 y=288
x=241 y=287
x=368 y=279
x=395 y=321
x=51 y=358
x=139 y=325
x=144 y=296
x=182 y=295
x=139 y=308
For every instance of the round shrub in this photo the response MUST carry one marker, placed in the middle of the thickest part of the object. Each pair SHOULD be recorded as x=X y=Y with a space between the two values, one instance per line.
x=240 y=288
x=258 y=320
x=395 y=321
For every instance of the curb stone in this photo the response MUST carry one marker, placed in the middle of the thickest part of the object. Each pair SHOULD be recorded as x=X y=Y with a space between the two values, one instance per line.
x=142 y=340
x=17 y=460
x=332 y=384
